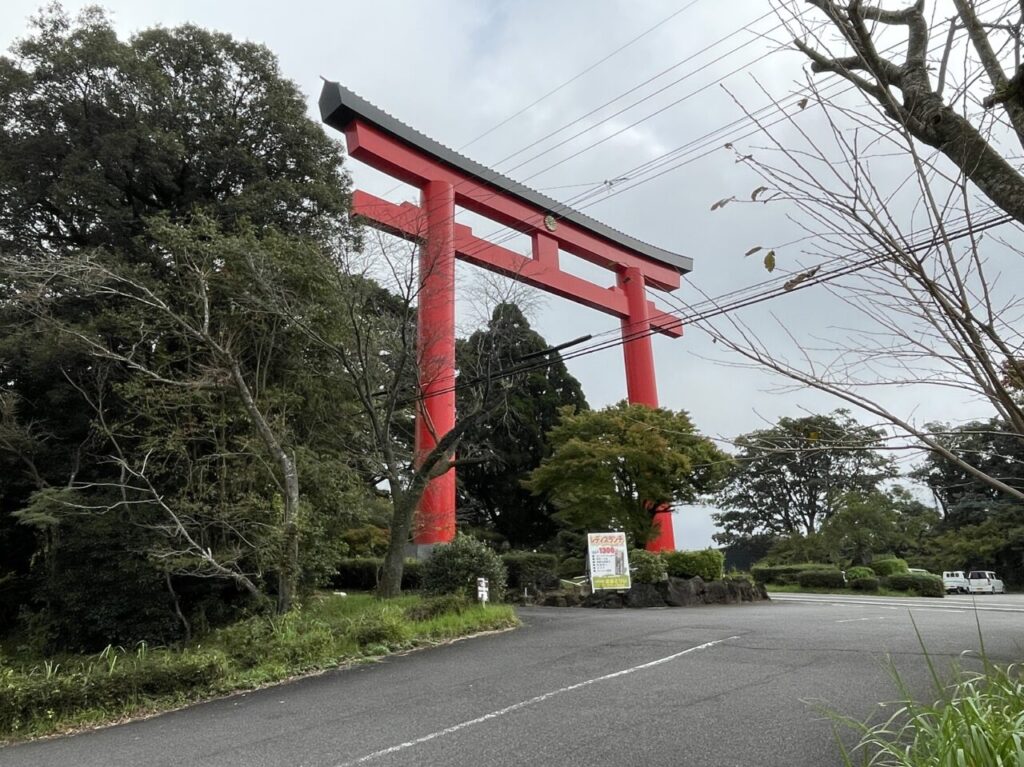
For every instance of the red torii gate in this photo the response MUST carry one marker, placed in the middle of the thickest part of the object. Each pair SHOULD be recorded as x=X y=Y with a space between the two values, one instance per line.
x=446 y=179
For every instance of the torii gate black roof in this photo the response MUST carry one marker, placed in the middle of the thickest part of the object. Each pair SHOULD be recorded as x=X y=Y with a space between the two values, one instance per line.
x=339 y=106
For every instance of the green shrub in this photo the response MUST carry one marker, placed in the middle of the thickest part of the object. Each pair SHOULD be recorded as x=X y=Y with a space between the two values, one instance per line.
x=386 y=628
x=645 y=567
x=531 y=570
x=864 y=584
x=737 y=576
x=363 y=573
x=432 y=607
x=821 y=579
x=572 y=567
x=917 y=583
x=454 y=568
x=785 y=573
x=887 y=567
x=856 y=573
x=708 y=564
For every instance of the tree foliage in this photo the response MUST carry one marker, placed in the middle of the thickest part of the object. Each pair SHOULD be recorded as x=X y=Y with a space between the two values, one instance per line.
x=609 y=468
x=789 y=479
x=152 y=188
x=511 y=443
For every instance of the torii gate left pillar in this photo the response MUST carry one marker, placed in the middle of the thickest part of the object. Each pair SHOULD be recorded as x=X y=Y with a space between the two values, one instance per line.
x=435 y=348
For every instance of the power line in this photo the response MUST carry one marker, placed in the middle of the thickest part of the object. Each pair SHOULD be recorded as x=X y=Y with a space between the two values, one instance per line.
x=718 y=309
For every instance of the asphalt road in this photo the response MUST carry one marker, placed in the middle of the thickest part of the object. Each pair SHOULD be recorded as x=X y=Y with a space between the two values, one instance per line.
x=710 y=687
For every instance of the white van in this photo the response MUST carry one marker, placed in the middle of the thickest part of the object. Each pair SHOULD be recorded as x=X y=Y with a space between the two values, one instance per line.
x=955 y=582
x=984 y=582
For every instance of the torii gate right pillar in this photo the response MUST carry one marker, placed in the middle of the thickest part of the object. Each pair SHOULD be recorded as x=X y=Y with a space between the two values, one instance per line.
x=641 y=383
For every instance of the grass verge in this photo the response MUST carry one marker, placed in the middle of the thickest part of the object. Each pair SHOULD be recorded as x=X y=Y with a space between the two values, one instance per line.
x=41 y=697
x=976 y=720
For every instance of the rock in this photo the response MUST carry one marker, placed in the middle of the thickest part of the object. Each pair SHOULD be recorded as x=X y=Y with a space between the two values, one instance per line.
x=716 y=593
x=644 y=595
x=608 y=599
x=683 y=592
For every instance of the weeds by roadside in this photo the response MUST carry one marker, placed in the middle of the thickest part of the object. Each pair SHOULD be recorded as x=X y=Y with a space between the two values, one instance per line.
x=42 y=696
x=976 y=720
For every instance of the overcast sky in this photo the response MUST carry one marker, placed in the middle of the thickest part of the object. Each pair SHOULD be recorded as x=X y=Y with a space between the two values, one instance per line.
x=455 y=69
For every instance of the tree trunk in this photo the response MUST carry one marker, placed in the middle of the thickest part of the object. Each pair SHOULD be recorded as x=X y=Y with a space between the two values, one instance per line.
x=394 y=561
x=288 y=566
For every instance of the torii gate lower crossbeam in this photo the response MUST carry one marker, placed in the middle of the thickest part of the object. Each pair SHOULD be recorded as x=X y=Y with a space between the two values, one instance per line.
x=446 y=180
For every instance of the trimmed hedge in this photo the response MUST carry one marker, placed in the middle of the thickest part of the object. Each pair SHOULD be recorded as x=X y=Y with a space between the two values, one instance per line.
x=363 y=573
x=886 y=567
x=917 y=583
x=856 y=573
x=531 y=570
x=708 y=564
x=785 y=573
x=864 y=584
x=821 y=579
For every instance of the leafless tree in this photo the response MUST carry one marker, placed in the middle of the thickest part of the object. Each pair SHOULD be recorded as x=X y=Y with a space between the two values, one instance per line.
x=908 y=191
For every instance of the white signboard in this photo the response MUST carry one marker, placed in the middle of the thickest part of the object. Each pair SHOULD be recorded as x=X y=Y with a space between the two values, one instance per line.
x=609 y=562
x=482 y=590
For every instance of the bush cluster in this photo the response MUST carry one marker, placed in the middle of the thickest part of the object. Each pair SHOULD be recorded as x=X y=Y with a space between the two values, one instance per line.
x=821 y=579
x=646 y=567
x=917 y=583
x=886 y=567
x=454 y=568
x=708 y=564
x=864 y=584
x=571 y=567
x=856 y=573
x=530 y=570
x=785 y=573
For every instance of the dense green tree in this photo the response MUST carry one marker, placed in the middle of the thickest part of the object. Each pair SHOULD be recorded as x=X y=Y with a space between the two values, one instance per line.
x=512 y=443
x=608 y=468
x=982 y=527
x=869 y=524
x=789 y=479
x=156 y=184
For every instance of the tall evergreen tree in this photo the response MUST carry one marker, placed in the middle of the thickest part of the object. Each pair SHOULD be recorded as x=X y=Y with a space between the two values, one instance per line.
x=513 y=443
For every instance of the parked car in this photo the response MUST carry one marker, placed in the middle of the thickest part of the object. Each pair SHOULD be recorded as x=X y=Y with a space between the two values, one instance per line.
x=917 y=571
x=955 y=582
x=984 y=582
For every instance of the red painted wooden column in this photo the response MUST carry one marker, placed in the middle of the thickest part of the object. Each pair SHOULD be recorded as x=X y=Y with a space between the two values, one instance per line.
x=641 y=384
x=435 y=417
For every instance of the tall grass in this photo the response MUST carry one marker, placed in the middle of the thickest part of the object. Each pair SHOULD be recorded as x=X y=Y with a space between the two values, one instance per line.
x=43 y=695
x=975 y=720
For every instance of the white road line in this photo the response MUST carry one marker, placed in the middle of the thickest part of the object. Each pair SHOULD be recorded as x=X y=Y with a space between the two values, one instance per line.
x=530 y=702
x=923 y=605
x=853 y=620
